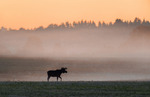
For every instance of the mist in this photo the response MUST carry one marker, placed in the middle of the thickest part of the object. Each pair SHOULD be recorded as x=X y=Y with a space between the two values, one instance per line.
x=63 y=44
x=89 y=54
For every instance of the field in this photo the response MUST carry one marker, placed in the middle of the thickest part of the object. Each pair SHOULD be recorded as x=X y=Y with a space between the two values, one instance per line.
x=75 y=89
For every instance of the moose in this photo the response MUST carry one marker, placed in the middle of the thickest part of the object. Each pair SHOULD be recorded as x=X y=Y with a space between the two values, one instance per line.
x=56 y=73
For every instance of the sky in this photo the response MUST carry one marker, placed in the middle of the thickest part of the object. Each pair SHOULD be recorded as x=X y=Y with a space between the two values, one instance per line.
x=34 y=13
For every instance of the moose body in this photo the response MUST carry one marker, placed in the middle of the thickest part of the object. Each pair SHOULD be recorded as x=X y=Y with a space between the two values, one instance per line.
x=56 y=73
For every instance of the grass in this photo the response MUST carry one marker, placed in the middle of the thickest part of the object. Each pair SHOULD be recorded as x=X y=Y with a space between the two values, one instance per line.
x=75 y=89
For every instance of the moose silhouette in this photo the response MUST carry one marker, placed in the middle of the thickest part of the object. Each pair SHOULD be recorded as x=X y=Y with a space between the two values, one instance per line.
x=56 y=73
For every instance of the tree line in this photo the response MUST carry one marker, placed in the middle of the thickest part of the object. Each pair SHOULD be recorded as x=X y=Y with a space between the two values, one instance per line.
x=83 y=24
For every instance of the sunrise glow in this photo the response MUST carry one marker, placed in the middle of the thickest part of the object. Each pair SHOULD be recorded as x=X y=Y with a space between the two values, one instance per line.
x=34 y=13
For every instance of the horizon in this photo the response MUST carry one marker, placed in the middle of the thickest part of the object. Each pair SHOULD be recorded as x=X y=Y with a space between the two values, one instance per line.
x=136 y=20
x=31 y=14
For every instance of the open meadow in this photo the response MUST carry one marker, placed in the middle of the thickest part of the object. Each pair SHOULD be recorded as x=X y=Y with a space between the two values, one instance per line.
x=75 y=89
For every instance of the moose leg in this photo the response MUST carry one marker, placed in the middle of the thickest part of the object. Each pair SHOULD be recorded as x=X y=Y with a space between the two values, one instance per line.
x=60 y=78
x=48 y=78
x=57 y=78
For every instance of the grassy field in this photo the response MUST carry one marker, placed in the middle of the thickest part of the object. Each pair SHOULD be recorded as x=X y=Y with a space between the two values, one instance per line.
x=75 y=89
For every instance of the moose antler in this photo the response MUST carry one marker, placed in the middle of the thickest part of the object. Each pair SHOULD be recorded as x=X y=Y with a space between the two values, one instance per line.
x=64 y=68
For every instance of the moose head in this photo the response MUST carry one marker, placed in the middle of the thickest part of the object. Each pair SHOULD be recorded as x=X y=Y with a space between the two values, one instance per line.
x=63 y=69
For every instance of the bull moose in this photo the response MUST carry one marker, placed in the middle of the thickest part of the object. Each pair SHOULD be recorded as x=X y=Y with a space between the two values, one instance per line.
x=56 y=73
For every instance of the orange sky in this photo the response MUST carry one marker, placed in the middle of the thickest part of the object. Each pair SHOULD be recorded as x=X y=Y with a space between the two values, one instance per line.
x=34 y=13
